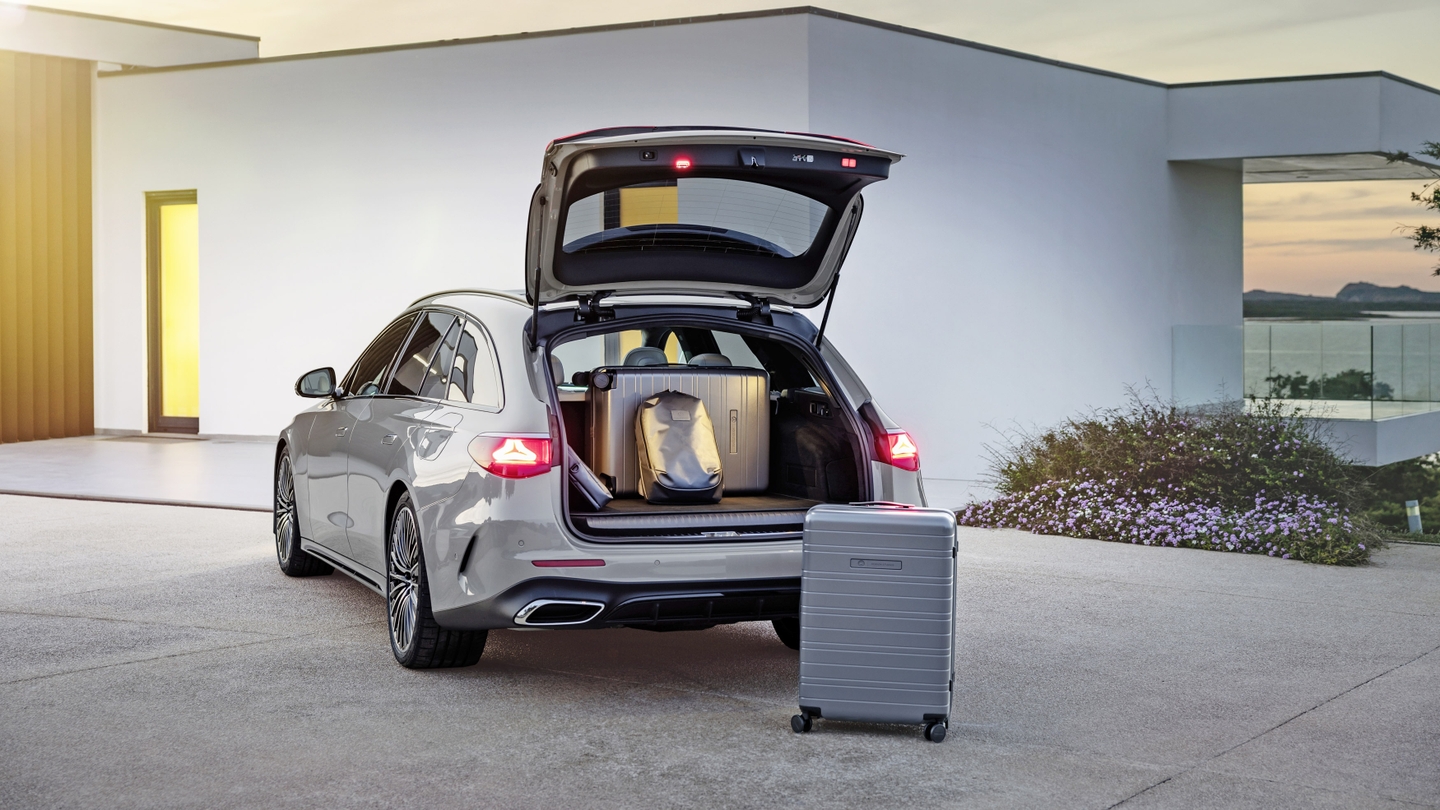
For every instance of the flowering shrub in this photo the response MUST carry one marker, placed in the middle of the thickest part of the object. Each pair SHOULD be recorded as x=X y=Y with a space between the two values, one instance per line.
x=1290 y=527
x=1226 y=480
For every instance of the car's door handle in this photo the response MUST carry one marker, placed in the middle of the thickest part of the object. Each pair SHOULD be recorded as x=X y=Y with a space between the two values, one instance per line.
x=341 y=431
x=389 y=439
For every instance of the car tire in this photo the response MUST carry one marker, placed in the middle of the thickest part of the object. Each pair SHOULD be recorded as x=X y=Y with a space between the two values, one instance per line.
x=788 y=629
x=417 y=641
x=294 y=561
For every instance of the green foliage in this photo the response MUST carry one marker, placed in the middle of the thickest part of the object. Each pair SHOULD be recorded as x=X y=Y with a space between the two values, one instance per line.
x=1225 y=456
x=1261 y=480
x=1425 y=237
x=1387 y=488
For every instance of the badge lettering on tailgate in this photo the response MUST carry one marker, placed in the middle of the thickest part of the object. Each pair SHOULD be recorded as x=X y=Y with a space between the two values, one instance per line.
x=887 y=565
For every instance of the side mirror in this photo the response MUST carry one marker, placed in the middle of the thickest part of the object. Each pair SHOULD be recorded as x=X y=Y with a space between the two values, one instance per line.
x=318 y=383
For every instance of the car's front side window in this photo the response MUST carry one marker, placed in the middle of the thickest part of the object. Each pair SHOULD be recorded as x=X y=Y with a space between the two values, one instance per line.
x=367 y=376
x=473 y=377
x=414 y=362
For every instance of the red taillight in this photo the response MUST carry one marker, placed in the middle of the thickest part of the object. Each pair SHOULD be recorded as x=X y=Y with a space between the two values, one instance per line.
x=892 y=445
x=682 y=163
x=567 y=563
x=847 y=163
x=897 y=448
x=512 y=456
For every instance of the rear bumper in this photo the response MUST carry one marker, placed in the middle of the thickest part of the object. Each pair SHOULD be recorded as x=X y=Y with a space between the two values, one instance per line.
x=653 y=605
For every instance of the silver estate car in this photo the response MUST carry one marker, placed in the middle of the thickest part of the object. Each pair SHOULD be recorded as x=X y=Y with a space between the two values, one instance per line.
x=441 y=470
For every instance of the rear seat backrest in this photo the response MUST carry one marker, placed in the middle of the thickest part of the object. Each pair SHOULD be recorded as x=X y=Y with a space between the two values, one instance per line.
x=646 y=356
x=710 y=359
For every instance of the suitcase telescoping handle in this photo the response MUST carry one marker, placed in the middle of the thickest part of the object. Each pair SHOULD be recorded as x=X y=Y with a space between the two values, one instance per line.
x=890 y=504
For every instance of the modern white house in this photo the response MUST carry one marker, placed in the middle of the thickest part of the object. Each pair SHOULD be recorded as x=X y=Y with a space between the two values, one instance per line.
x=1055 y=236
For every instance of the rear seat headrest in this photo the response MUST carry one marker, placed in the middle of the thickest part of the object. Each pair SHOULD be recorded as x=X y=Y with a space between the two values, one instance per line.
x=646 y=356
x=710 y=359
x=557 y=368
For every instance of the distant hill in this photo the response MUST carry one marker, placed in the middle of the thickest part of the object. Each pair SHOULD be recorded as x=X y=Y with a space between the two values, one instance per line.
x=1357 y=299
x=1266 y=295
x=1361 y=292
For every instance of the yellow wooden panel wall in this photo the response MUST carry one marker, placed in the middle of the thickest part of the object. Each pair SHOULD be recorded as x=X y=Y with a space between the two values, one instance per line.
x=46 y=355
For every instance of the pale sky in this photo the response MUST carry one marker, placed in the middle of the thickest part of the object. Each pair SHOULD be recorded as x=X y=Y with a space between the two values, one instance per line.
x=1301 y=237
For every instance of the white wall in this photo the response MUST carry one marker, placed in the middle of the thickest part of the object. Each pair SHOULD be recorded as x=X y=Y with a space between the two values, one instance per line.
x=1307 y=116
x=335 y=191
x=106 y=39
x=1016 y=269
x=1206 y=236
x=1409 y=116
x=1383 y=441
x=1027 y=260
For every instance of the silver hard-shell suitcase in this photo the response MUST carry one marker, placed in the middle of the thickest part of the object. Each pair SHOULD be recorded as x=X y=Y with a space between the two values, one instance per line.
x=737 y=399
x=877 y=616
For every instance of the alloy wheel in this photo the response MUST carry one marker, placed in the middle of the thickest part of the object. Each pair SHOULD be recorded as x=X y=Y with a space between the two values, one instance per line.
x=403 y=591
x=284 y=511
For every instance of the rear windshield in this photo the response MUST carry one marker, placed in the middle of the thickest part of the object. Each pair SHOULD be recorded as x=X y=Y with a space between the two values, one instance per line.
x=704 y=214
x=680 y=345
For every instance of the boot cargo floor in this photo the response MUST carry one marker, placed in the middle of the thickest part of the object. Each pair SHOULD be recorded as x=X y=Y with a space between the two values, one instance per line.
x=736 y=517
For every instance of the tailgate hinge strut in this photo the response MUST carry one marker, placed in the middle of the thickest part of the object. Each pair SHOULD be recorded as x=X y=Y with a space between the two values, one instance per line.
x=535 y=323
x=825 y=319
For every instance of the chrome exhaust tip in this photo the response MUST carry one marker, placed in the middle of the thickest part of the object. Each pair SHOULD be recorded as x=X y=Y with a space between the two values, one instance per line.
x=558 y=612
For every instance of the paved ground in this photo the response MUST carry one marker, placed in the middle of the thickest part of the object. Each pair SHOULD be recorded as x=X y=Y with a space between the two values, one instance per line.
x=155 y=656
x=234 y=473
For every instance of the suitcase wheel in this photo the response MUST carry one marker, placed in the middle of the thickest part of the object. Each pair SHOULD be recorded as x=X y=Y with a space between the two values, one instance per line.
x=935 y=732
x=800 y=723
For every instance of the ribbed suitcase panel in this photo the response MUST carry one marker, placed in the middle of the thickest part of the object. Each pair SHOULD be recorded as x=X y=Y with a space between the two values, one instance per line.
x=830 y=591
x=877 y=613
x=889 y=659
x=737 y=400
x=932 y=699
x=837 y=541
x=919 y=625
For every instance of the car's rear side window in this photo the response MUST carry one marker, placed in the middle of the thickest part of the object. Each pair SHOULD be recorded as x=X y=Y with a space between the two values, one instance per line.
x=367 y=376
x=473 y=376
x=415 y=359
x=437 y=379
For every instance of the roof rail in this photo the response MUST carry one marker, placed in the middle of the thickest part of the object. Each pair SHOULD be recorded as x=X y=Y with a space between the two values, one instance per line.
x=502 y=294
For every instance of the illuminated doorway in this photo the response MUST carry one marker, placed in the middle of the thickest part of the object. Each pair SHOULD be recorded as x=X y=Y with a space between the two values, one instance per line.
x=172 y=258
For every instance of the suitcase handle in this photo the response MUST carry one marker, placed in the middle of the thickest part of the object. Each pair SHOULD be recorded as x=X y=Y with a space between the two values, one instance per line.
x=891 y=504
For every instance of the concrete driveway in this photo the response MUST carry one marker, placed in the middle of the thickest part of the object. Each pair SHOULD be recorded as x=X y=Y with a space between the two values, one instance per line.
x=154 y=656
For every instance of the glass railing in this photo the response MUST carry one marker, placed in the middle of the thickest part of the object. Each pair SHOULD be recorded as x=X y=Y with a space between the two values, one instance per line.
x=1345 y=369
